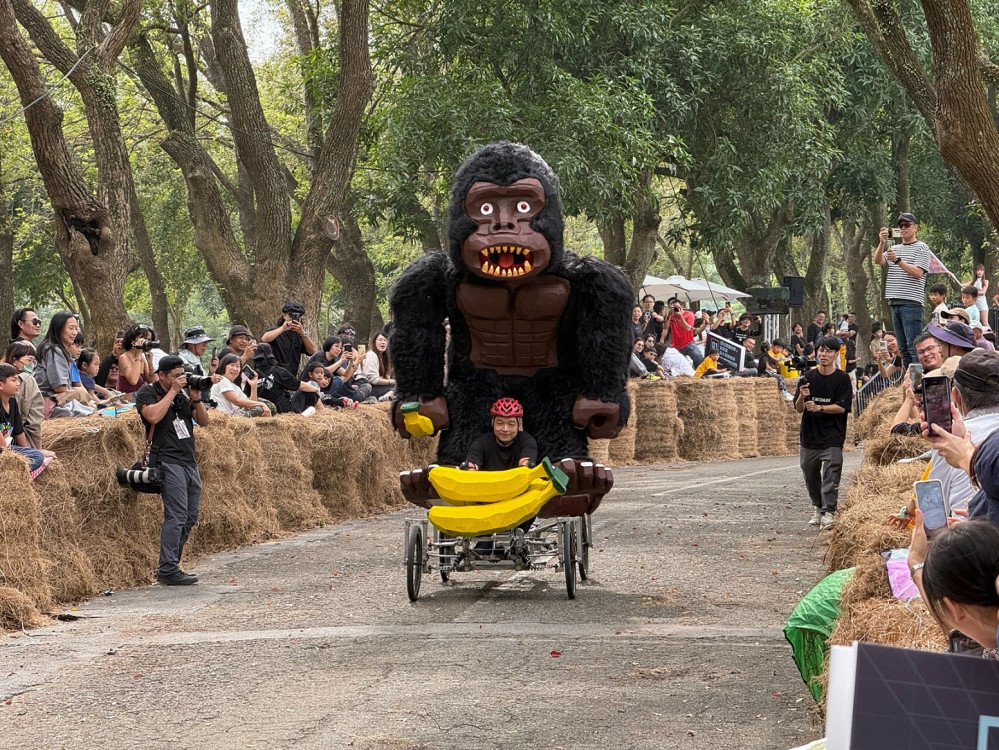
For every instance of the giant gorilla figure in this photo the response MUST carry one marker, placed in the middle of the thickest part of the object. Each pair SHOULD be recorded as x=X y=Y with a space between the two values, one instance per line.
x=528 y=319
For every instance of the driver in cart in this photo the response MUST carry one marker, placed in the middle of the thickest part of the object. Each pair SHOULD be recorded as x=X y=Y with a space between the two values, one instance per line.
x=507 y=446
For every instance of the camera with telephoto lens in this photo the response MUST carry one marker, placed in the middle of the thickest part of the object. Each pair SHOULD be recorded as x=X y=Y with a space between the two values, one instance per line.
x=149 y=479
x=803 y=363
x=201 y=383
x=148 y=346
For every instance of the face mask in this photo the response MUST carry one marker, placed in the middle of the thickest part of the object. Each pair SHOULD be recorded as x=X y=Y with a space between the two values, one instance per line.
x=29 y=369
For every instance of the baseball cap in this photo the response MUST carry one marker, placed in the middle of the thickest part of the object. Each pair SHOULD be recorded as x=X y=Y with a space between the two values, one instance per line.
x=169 y=362
x=957 y=313
x=955 y=333
x=196 y=335
x=263 y=352
x=906 y=217
x=238 y=331
x=978 y=370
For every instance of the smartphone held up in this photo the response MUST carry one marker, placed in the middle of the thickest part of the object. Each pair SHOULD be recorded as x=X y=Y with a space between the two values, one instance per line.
x=933 y=504
x=936 y=401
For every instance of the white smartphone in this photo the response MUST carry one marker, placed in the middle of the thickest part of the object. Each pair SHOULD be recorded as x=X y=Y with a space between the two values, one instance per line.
x=931 y=501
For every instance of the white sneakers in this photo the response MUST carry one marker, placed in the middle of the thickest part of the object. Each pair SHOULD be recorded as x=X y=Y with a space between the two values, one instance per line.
x=816 y=518
x=827 y=520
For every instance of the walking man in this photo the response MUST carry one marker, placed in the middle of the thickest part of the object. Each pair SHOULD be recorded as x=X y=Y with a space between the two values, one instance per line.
x=823 y=399
x=908 y=264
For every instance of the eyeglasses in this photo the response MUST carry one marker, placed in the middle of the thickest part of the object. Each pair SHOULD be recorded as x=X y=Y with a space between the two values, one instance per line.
x=926 y=349
x=904 y=224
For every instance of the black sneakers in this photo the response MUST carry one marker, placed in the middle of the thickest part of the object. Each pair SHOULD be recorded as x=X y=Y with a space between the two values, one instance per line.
x=180 y=578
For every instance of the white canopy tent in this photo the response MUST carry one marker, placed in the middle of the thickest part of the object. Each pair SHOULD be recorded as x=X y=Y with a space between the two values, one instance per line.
x=691 y=290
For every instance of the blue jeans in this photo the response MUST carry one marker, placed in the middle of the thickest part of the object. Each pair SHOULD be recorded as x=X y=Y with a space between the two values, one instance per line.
x=35 y=458
x=907 y=320
x=693 y=351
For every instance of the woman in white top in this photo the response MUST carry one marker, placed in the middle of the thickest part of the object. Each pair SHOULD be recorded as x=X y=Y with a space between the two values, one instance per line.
x=376 y=367
x=230 y=399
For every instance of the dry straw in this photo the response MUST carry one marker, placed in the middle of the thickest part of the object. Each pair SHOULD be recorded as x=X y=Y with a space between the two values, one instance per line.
x=621 y=450
x=711 y=424
x=744 y=390
x=772 y=439
x=878 y=413
x=658 y=427
x=883 y=449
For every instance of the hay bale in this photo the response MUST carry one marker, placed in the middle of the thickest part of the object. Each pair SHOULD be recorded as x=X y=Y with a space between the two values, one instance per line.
x=874 y=493
x=658 y=428
x=792 y=433
x=876 y=417
x=72 y=574
x=621 y=450
x=850 y=444
x=772 y=441
x=892 y=622
x=885 y=449
x=744 y=390
x=599 y=451
x=708 y=411
x=338 y=453
x=23 y=564
x=869 y=581
x=18 y=611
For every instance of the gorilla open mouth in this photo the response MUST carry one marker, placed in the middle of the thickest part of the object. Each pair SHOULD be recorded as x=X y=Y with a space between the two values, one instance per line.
x=504 y=261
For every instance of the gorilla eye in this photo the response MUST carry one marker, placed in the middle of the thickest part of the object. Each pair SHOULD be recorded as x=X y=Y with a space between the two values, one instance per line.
x=486 y=209
x=523 y=207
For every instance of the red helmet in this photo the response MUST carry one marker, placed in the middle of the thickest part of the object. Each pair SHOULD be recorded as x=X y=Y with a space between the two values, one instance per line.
x=507 y=407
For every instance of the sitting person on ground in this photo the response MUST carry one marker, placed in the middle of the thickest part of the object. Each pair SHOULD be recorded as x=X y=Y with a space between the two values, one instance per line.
x=110 y=361
x=276 y=384
x=710 y=365
x=53 y=369
x=675 y=364
x=340 y=368
x=376 y=367
x=507 y=446
x=288 y=338
x=12 y=435
x=229 y=399
x=636 y=367
x=239 y=342
x=980 y=329
x=906 y=419
x=193 y=349
x=88 y=363
x=25 y=325
x=135 y=365
x=937 y=294
x=750 y=365
x=303 y=400
x=652 y=365
x=969 y=300
x=21 y=356
x=958 y=578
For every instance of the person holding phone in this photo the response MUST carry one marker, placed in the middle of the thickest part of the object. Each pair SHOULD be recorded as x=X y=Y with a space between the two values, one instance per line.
x=227 y=395
x=288 y=338
x=823 y=398
x=907 y=262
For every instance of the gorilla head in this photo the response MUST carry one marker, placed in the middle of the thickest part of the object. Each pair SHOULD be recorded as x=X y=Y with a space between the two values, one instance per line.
x=506 y=215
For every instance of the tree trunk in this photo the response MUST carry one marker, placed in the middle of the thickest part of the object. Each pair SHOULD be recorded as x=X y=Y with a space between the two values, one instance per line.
x=350 y=265
x=6 y=257
x=816 y=294
x=756 y=248
x=157 y=286
x=644 y=231
x=612 y=237
x=852 y=242
x=900 y=161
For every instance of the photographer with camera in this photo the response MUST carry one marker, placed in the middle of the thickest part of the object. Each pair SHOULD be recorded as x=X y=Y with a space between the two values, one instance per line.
x=680 y=323
x=288 y=338
x=167 y=407
x=135 y=365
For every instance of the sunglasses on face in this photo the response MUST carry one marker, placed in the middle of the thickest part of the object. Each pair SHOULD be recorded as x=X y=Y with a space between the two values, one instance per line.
x=904 y=224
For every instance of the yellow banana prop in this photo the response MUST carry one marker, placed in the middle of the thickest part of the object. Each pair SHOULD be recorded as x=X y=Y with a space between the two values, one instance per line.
x=416 y=424
x=460 y=487
x=483 y=520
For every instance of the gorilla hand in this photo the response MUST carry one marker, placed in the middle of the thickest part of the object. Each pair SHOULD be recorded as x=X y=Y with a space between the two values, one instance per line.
x=435 y=410
x=416 y=487
x=599 y=418
x=586 y=477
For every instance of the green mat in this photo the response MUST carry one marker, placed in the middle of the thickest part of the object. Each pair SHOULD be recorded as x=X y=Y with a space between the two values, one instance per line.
x=810 y=624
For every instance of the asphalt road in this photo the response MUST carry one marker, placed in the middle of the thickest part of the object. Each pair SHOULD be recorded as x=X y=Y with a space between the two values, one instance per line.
x=311 y=642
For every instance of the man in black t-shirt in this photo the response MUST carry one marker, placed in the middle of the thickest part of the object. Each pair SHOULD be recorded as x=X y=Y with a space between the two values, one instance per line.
x=276 y=384
x=170 y=413
x=288 y=338
x=823 y=398
x=814 y=332
x=507 y=446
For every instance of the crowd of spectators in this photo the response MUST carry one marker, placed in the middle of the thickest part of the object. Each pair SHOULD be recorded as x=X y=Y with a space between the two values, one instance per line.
x=55 y=375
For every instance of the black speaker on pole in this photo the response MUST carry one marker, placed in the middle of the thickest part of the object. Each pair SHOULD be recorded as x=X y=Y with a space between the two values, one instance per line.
x=796 y=286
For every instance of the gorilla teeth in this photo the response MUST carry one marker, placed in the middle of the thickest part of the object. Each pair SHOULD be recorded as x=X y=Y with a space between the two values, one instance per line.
x=490 y=260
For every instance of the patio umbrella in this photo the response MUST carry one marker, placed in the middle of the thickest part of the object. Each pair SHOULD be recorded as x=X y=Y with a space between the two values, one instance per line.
x=720 y=291
x=674 y=286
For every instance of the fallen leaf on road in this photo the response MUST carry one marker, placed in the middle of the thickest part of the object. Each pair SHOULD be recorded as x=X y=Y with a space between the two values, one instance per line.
x=556 y=654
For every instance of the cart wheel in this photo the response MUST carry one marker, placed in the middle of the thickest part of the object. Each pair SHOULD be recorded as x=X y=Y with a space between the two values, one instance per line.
x=414 y=563
x=584 y=547
x=443 y=559
x=569 y=558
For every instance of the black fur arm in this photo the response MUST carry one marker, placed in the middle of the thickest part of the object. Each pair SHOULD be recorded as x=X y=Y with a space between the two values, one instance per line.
x=418 y=303
x=602 y=300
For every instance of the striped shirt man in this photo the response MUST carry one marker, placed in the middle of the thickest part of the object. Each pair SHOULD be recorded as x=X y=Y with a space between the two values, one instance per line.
x=907 y=265
x=901 y=285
